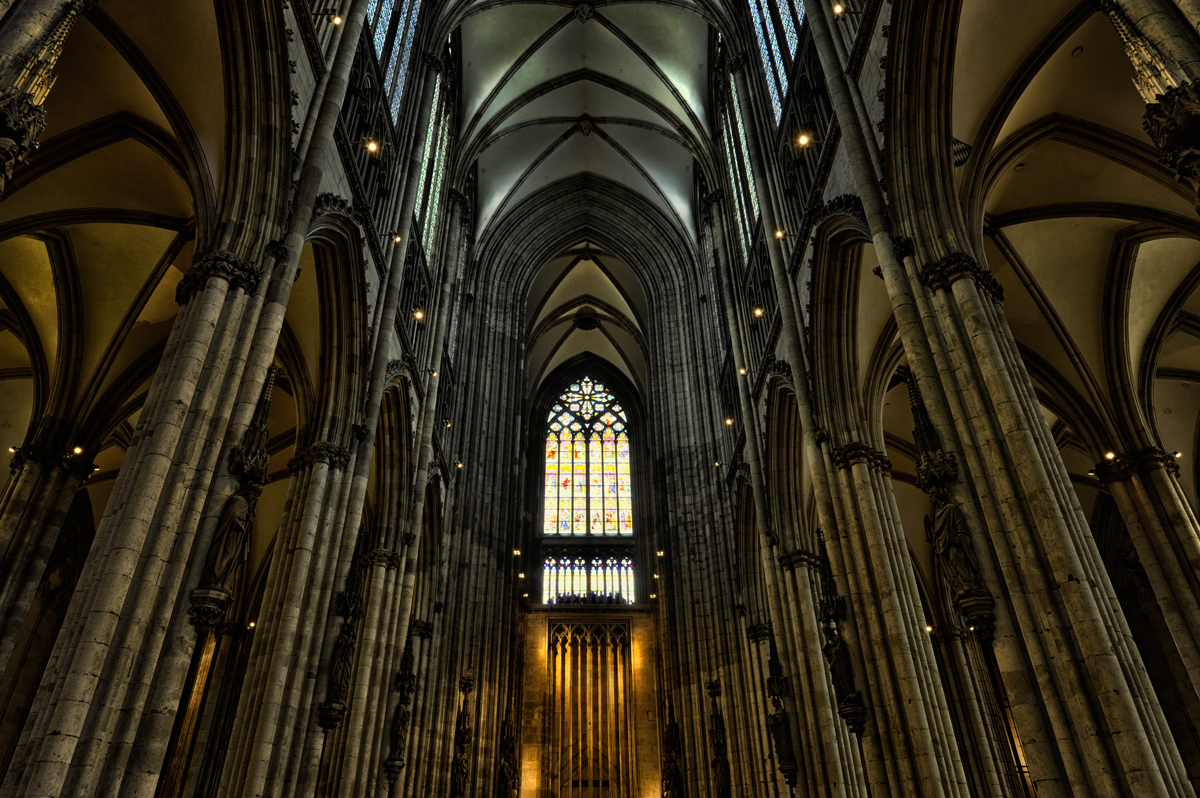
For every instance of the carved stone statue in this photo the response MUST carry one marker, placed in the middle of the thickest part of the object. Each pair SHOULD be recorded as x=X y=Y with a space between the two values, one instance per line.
x=231 y=543
x=837 y=654
x=342 y=669
x=947 y=532
x=722 y=780
x=781 y=736
x=509 y=776
x=460 y=766
x=672 y=773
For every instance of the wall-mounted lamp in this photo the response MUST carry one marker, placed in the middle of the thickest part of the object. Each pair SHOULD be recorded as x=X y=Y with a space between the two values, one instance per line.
x=418 y=314
x=1110 y=455
x=742 y=371
x=758 y=313
x=78 y=450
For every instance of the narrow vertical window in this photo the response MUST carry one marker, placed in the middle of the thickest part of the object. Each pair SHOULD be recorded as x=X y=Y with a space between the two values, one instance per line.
x=744 y=151
x=770 y=71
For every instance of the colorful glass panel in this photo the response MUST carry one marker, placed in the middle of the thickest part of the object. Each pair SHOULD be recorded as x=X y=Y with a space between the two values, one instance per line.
x=588 y=487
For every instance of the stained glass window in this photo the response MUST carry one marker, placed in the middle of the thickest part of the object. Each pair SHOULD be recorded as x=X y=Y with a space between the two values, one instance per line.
x=588 y=490
x=743 y=150
x=773 y=21
x=392 y=34
x=735 y=183
x=585 y=577
x=770 y=70
x=433 y=202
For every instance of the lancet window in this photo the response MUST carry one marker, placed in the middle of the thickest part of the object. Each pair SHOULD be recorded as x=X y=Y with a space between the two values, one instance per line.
x=393 y=26
x=776 y=23
x=433 y=166
x=744 y=199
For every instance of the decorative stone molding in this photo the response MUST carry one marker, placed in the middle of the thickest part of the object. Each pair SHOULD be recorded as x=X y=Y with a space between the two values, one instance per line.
x=957 y=266
x=584 y=12
x=328 y=203
x=321 y=452
x=855 y=453
x=903 y=246
x=81 y=465
x=713 y=688
x=236 y=272
x=1139 y=461
x=431 y=61
x=208 y=606
x=22 y=120
x=978 y=609
x=421 y=629
x=936 y=467
x=276 y=250
x=388 y=559
x=759 y=632
x=1173 y=124
x=794 y=559
x=330 y=714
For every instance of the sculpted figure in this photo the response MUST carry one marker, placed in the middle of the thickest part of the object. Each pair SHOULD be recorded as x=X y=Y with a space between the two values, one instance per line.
x=231 y=542
x=343 y=661
x=838 y=657
x=947 y=532
x=672 y=775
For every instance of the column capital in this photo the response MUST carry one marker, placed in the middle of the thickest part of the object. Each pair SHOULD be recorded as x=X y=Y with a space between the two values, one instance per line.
x=220 y=263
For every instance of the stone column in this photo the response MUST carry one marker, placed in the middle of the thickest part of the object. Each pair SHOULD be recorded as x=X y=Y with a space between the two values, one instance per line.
x=792 y=609
x=1145 y=486
x=32 y=510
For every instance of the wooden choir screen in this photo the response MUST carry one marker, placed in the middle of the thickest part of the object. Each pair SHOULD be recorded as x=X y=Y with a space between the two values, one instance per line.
x=590 y=733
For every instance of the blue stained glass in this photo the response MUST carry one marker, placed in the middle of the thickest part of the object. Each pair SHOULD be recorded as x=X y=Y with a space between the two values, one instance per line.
x=381 y=26
x=780 y=64
x=745 y=151
x=736 y=191
x=789 y=28
x=429 y=144
x=768 y=70
x=435 y=202
x=798 y=7
x=371 y=6
x=410 y=28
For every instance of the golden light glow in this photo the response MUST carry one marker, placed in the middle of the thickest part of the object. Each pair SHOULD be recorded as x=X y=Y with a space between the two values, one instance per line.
x=729 y=422
x=653 y=595
x=928 y=628
x=758 y=312
x=742 y=371
x=78 y=450
x=250 y=625
x=459 y=465
x=1177 y=455
x=337 y=19
x=803 y=140
x=1110 y=455
x=520 y=576
x=418 y=314
x=435 y=373
x=717 y=463
x=516 y=552
x=838 y=8
x=396 y=239
x=778 y=234
x=372 y=145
